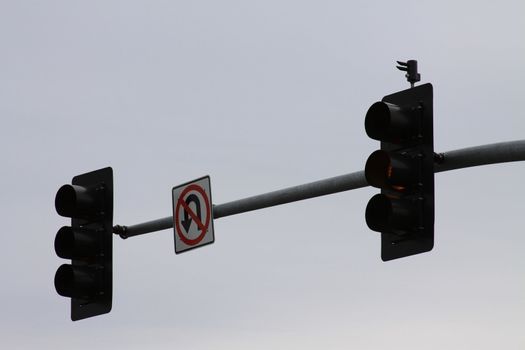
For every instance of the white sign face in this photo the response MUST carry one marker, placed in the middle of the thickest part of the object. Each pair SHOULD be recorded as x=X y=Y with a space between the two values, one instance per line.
x=192 y=215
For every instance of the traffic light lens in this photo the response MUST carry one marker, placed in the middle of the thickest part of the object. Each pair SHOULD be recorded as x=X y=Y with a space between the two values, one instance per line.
x=377 y=212
x=65 y=201
x=378 y=169
x=377 y=121
x=391 y=171
x=387 y=122
x=75 y=243
x=72 y=201
x=75 y=281
x=385 y=214
x=64 y=243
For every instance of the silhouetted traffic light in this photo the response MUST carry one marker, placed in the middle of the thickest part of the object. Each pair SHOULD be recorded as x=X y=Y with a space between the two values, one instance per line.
x=404 y=171
x=88 y=201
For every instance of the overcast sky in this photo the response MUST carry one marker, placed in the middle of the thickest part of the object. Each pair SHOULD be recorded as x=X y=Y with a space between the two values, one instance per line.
x=260 y=95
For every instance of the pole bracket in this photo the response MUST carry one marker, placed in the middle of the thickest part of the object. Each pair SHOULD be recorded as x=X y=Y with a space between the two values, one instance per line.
x=121 y=231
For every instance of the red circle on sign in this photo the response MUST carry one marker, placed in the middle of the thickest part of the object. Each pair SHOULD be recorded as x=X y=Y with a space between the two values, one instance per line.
x=203 y=227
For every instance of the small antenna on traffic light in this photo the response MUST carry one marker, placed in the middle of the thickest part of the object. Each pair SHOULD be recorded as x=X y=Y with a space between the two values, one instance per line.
x=410 y=67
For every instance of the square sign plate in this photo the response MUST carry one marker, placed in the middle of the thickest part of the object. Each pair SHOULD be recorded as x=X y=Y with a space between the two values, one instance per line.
x=192 y=215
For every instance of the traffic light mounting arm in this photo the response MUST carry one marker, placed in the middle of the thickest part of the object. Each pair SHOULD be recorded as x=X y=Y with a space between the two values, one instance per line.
x=503 y=152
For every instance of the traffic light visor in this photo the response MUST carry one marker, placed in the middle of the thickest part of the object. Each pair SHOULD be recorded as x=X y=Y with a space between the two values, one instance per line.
x=73 y=200
x=377 y=213
x=75 y=281
x=390 y=170
x=386 y=214
x=388 y=122
x=378 y=169
x=72 y=243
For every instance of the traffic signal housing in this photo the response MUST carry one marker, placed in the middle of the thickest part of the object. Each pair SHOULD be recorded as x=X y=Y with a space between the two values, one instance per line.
x=88 y=201
x=404 y=171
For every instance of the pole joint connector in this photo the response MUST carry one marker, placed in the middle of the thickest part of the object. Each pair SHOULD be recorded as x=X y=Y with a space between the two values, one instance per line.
x=439 y=158
x=121 y=231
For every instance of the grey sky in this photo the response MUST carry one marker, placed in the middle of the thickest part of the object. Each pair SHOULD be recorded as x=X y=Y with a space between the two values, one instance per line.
x=259 y=95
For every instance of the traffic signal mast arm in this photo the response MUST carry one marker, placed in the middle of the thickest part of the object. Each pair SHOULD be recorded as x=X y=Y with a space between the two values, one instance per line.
x=502 y=152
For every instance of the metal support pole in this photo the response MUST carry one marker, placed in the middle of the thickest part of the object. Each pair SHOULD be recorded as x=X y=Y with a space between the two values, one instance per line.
x=463 y=158
x=502 y=152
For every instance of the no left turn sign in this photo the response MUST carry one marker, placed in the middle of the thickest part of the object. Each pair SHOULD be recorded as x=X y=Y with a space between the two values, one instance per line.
x=192 y=215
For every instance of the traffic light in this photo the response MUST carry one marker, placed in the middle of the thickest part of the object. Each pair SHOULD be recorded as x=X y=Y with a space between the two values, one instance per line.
x=88 y=201
x=404 y=171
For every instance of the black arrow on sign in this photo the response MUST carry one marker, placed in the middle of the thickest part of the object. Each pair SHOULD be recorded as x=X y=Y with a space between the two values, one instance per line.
x=187 y=219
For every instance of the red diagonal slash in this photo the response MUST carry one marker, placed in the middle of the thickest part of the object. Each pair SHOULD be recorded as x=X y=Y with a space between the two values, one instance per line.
x=191 y=242
x=195 y=218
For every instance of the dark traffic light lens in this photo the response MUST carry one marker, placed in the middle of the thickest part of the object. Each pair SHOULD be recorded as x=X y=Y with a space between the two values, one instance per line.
x=76 y=243
x=65 y=200
x=378 y=212
x=72 y=201
x=385 y=214
x=75 y=281
x=378 y=169
x=387 y=122
x=377 y=121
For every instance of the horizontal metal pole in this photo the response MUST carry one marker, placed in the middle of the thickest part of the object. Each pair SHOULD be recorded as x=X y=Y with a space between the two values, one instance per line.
x=463 y=158
x=287 y=195
x=292 y=194
x=501 y=152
